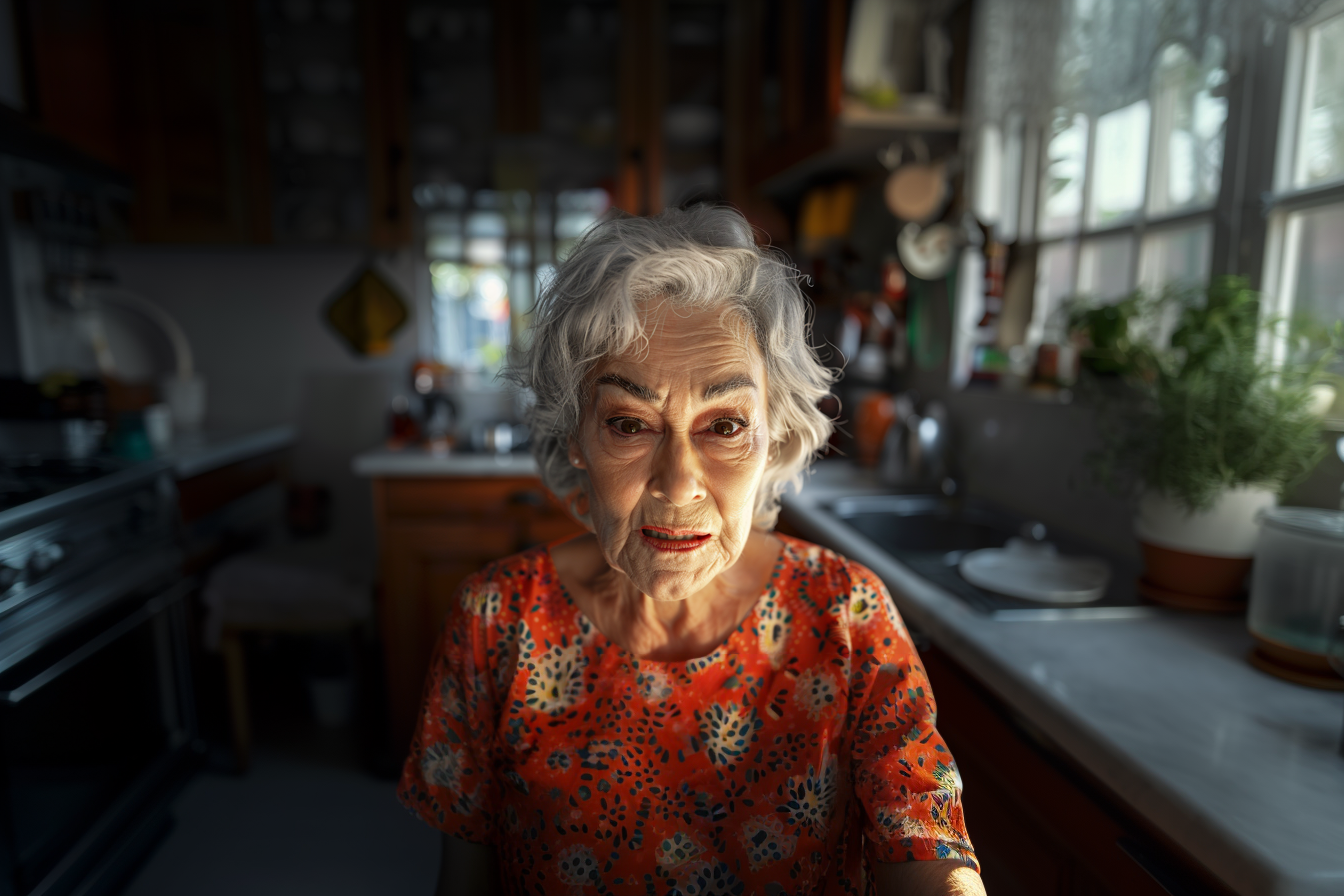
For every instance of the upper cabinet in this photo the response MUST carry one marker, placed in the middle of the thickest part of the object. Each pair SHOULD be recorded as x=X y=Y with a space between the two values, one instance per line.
x=803 y=105
x=238 y=121
x=166 y=93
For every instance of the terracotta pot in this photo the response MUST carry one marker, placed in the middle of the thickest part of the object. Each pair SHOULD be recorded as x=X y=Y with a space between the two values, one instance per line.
x=1204 y=555
x=1196 y=575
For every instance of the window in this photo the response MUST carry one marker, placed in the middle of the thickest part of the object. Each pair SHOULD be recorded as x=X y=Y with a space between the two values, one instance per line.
x=1127 y=188
x=489 y=252
x=1126 y=150
x=1304 y=268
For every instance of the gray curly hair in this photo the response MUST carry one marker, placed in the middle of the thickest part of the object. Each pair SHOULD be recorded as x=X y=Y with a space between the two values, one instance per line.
x=698 y=258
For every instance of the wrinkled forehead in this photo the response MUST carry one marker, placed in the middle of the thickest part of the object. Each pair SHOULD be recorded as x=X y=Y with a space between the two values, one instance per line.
x=662 y=320
x=688 y=345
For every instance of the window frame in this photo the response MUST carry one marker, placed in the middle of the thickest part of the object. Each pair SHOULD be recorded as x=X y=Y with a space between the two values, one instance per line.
x=1138 y=224
x=1286 y=201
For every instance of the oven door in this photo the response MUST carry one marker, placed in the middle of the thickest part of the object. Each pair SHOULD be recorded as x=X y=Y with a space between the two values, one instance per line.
x=96 y=733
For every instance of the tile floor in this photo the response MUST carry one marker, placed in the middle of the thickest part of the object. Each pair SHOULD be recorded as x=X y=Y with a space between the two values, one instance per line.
x=307 y=818
x=291 y=827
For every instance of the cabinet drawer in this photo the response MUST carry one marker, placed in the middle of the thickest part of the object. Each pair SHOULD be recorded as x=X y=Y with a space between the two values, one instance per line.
x=476 y=538
x=453 y=496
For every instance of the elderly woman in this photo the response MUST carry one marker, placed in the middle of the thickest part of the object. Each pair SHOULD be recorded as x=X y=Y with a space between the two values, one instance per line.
x=681 y=701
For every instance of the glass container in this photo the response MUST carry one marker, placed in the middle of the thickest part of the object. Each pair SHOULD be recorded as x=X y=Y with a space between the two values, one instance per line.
x=1297 y=588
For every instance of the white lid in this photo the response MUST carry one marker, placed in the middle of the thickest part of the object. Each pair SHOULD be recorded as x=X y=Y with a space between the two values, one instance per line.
x=1036 y=572
x=1307 y=520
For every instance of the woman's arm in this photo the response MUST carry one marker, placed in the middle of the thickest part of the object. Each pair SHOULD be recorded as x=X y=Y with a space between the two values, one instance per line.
x=942 y=877
x=466 y=868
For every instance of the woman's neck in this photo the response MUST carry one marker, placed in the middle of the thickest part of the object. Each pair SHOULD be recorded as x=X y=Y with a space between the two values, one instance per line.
x=664 y=630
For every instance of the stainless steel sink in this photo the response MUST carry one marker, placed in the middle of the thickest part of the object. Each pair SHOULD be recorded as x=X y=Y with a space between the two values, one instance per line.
x=930 y=534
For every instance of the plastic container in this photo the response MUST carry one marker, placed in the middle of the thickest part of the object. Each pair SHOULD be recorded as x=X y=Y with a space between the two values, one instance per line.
x=1297 y=586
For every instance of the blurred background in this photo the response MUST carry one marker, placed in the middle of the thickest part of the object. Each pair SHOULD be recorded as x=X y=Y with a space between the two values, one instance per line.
x=261 y=261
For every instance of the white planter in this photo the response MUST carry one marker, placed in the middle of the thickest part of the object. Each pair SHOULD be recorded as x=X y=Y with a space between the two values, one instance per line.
x=1227 y=529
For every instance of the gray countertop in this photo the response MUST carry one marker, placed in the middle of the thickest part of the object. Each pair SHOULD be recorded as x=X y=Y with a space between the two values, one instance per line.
x=1239 y=768
x=420 y=462
x=194 y=453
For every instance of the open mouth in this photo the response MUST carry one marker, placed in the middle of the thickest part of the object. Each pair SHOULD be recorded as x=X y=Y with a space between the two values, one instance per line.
x=673 y=539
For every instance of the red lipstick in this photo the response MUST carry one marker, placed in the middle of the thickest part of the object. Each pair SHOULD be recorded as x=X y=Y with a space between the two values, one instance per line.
x=663 y=539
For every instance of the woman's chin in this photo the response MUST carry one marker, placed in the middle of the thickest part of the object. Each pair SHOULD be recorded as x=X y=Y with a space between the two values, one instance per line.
x=669 y=585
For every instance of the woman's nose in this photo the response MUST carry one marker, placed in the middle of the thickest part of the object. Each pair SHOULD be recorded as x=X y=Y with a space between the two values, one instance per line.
x=677 y=476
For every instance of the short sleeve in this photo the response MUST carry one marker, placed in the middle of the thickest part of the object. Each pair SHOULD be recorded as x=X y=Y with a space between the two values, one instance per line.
x=904 y=776
x=448 y=779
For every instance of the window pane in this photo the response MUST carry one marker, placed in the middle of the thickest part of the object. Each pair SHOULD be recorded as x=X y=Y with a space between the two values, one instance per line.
x=1062 y=185
x=471 y=315
x=1315 y=265
x=1176 y=257
x=1106 y=267
x=1189 y=121
x=1121 y=164
x=1054 y=284
x=1320 y=152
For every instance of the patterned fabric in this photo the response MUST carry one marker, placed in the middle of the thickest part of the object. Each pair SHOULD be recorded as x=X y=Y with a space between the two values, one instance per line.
x=800 y=749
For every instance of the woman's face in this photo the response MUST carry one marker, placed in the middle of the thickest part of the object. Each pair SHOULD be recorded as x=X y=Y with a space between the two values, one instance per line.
x=675 y=444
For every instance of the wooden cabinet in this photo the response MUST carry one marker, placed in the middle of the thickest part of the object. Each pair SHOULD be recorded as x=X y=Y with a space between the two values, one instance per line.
x=215 y=108
x=1039 y=823
x=165 y=92
x=791 y=122
x=433 y=533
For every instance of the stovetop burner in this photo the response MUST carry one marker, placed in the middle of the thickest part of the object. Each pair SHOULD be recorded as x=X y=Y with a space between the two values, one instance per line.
x=24 y=479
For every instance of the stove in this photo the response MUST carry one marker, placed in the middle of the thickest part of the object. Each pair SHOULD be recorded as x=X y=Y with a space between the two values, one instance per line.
x=24 y=479
x=97 y=727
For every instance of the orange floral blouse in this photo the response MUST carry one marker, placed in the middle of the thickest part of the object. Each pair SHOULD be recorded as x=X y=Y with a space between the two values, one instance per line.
x=798 y=751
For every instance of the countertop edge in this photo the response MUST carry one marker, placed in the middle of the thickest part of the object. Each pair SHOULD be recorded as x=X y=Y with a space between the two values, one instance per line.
x=213 y=452
x=935 y=613
x=385 y=463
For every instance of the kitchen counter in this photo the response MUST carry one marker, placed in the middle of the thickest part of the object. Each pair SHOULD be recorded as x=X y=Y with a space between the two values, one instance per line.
x=420 y=462
x=1240 y=769
x=201 y=452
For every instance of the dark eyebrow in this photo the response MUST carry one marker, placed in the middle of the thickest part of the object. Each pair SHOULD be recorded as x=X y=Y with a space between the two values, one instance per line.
x=741 y=381
x=641 y=392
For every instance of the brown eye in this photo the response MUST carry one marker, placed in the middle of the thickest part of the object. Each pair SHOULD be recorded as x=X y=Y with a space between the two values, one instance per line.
x=725 y=427
x=629 y=426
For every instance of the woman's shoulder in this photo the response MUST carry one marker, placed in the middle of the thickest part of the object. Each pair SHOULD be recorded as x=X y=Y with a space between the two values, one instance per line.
x=836 y=587
x=511 y=587
x=805 y=560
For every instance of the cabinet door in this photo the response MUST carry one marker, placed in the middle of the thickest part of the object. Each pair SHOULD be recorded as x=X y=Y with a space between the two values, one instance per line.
x=423 y=563
x=1040 y=824
x=168 y=92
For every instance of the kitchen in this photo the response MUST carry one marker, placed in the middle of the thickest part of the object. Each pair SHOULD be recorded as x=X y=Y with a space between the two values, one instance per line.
x=262 y=263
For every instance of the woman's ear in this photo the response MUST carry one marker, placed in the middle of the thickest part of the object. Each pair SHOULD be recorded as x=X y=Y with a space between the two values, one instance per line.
x=575 y=458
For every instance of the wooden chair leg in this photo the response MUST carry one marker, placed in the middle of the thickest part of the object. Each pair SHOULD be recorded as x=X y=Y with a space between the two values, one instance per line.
x=231 y=647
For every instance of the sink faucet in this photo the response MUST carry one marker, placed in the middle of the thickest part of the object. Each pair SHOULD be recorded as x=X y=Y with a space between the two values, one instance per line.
x=917 y=449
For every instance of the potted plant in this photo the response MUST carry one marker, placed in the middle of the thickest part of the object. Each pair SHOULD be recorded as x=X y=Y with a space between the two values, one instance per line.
x=1205 y=426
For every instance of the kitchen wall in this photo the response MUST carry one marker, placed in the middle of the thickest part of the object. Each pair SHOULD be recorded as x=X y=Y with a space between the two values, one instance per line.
x=254 y=318
x=1031 y=455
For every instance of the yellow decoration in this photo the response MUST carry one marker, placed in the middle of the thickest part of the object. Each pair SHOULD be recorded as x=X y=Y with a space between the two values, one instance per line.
x=367 y=314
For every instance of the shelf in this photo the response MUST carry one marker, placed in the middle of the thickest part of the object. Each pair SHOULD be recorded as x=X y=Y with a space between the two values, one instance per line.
x=849 y=144
x=857 y=115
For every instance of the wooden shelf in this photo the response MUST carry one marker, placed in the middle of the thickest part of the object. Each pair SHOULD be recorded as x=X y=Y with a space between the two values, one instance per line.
x=848 y=144
x=856 y=115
